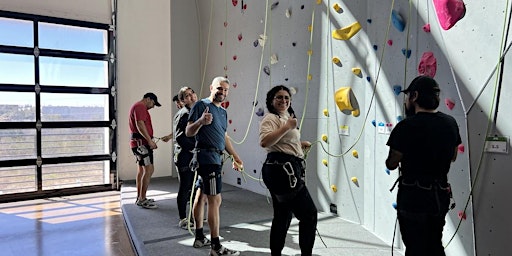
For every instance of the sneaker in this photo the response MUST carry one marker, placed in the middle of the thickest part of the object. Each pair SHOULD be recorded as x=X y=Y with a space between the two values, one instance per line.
x=151 y=200
x=183 y=224
x=198 y=243
x=146 y=204
x=223 y=251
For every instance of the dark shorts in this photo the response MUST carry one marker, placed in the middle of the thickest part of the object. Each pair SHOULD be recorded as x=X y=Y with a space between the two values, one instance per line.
x=143 y=154
x=211 y=175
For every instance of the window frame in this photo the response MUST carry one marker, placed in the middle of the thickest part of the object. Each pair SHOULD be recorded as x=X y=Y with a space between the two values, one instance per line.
x=37 y=88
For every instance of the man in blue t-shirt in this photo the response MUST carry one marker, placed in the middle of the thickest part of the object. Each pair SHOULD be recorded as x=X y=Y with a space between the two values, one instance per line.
x=424 y=145
x=208 y=122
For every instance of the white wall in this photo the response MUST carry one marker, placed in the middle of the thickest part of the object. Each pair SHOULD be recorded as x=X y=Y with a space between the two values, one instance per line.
x=144 y=65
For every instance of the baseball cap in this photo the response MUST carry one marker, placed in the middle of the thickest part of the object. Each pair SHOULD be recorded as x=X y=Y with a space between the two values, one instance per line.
x=423 y=85
x=153 y=97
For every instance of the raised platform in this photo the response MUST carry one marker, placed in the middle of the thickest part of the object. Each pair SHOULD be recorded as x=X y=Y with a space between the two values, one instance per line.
x=245 y=226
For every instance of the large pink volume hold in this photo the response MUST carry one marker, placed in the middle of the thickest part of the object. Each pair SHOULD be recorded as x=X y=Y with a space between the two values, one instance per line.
x=449 y=12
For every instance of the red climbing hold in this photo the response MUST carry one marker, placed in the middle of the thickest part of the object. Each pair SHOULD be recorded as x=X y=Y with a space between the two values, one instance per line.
x=225 y=104
x=235 y=2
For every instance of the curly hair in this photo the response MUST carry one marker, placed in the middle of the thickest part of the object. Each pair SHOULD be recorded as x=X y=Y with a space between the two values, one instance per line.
x=270 y=97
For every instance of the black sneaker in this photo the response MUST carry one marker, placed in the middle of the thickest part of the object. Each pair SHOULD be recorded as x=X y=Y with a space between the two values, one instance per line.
x=198 y=243
x=223 y=251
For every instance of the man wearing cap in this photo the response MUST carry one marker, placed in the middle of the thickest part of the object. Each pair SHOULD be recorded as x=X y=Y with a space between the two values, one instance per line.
x=423 y=146
x=142 y=145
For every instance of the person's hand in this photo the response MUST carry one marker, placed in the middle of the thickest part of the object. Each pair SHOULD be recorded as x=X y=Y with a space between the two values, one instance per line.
x=152 y=145
x=167 y=138
x=291 y=123
x=306 y=145
x=206 y=117
x=238 y=164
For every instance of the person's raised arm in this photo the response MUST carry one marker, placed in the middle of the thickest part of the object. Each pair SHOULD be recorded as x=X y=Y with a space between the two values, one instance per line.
x=193 y=127
x=274 y=136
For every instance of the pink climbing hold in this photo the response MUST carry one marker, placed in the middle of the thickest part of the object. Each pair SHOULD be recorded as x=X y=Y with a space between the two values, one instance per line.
x=235 y=2
x=461 y=148
x=426 y=28
x=234 y=57
x=449 y=12
x=449 y=103
x=462 y=215
x=240 y=37
x=390 y=42
x=428 y=64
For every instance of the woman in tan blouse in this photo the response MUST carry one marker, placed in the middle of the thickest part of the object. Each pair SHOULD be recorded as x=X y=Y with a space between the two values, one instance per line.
x=284 y=171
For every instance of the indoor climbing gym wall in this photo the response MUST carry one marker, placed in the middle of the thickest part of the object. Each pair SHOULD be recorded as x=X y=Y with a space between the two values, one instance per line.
x=346 y=63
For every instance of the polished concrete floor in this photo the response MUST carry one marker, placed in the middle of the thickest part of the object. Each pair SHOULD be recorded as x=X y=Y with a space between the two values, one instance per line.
x=88 y=224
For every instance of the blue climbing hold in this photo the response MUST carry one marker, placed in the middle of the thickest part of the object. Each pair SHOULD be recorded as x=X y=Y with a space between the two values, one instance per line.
x=374 y=123
x=368 y=78
x=398 y=21
x=397 y=89
x=375 y=47
x=388 y=171
x=394 y=205
x=406 y=52
x=399 y=118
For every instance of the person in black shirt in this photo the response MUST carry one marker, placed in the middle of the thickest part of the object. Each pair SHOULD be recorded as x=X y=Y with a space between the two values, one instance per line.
x=423 y=146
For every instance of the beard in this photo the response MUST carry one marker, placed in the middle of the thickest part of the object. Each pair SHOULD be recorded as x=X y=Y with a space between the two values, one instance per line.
x=411 y=111
x=218 y=97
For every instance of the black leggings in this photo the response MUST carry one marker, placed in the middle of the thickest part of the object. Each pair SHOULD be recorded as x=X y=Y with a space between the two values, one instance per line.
x=186 y=179
x=304 y=209
x=299 y=202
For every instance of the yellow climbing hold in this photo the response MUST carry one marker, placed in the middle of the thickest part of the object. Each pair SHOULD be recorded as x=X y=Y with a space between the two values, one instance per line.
x=310 y=52
x=324 y=137
x=356 y=112
x=324 y=161
x=318 y=1
x=356 y=71
x=310 y=77
x=334 y=188
x=310 y=28
x=335 y=60
x=355 y=154
x=326 y=112
x=354 y=179
x=347 y=32
x=337 y=7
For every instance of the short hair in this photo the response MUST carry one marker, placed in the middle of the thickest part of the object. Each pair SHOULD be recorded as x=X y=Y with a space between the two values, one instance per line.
x=183 y=90
x=428 y=92
x=218 y=80
x=270 y=97
x=175 y=98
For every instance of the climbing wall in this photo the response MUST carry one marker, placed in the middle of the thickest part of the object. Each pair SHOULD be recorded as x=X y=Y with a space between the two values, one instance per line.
x=332 y=51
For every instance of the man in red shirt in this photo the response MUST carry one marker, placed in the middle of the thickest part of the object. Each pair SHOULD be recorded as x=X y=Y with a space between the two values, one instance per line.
x=142 y=145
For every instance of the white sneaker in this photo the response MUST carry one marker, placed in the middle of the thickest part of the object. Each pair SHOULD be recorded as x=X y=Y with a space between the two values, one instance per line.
x=145 y=203
x=223 y=251
x=183 y=224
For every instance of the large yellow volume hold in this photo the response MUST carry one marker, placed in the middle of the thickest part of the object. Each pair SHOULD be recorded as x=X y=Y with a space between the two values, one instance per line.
x=347 y=32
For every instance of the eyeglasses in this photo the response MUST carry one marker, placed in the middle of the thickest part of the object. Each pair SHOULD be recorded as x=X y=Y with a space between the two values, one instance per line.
x=281 y=97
